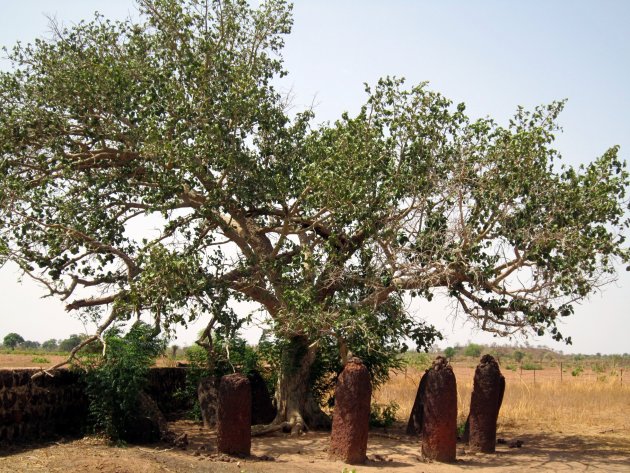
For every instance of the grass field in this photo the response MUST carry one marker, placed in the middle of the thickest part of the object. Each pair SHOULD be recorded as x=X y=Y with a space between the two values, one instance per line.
x=591 y=401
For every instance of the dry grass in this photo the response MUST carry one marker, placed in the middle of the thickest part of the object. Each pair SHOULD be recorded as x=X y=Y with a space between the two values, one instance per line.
x=596 y=403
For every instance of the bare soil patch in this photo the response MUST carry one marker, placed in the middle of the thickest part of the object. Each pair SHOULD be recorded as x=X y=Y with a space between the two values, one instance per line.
x=21 y=360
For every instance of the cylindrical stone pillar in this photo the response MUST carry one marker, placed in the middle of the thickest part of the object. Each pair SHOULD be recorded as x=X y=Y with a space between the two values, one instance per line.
x=439 y=422
x=208 y=397
x=263 y=410
x=486 y=399
x=414 y=426
x=234 y=415
x=351 y=417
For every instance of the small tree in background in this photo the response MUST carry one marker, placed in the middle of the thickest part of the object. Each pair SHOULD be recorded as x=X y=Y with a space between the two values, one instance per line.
x=518 y=356
x=30 y=345
x=449 y=352
x=473 y=350
x=12 y=340
x=50 y=345
x=174 y=349
x=69 y=343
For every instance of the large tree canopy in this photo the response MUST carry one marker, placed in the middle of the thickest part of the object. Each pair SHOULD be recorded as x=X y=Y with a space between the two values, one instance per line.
x=152 y=167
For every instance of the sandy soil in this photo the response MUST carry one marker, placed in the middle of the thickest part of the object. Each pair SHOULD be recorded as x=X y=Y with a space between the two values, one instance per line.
x=606 y=451
x=15 y=361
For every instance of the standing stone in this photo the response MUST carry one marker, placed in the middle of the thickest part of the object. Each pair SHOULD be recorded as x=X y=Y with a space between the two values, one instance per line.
x=148 y=424
x=208 y=395
x=439 y=420
x=414 y=426
x=263 y=410
x=487 y=396
x=234 y=415
x=351 y=417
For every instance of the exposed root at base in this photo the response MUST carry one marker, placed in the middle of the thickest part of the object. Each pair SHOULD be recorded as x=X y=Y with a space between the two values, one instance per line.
x=296 y=428
x=258 y=430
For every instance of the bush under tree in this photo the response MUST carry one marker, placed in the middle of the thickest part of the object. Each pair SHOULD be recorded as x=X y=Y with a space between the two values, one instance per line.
x=114 y=383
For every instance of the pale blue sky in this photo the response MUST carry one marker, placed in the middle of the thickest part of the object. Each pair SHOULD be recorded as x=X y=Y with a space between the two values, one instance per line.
x=492 y=55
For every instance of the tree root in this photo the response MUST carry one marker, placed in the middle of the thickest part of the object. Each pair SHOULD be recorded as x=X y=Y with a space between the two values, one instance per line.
x=259 y=430
x=294 y=427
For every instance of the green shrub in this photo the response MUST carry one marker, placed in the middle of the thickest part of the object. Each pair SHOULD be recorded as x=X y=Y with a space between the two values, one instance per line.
x=116 y=379
x=198 y=368
x=418 y=360
x=577 y=371
x=242 y=358
x=528 y=365
x=518 y=356
x=473 y=350
x=383 y=415
x=40 y=359
x=598 y=368
x=461 y=428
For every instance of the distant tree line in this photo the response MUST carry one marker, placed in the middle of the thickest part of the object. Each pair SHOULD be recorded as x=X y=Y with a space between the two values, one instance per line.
x=14 y=341
x=521 y=354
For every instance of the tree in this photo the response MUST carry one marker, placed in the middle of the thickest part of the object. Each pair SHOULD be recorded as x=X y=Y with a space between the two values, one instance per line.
x=50 y=345
x=30 y=344
x=449 y=352
x=174 y=122
x=12 y=340
x=473 y=350
x=69 y=343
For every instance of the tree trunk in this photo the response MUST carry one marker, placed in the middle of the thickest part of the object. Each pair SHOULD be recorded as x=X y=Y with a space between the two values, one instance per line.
x=297 y=407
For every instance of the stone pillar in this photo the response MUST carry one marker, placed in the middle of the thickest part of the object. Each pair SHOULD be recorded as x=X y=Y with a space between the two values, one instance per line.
x=208 y=396
x=487 y=396
x=414 y=426
x=351 y=417
x=234 y=415
x=263 y=410
x=439 y=422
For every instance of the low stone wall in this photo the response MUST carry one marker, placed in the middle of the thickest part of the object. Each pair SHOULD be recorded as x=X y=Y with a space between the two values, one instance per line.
x=42 y=407
x=51 y=406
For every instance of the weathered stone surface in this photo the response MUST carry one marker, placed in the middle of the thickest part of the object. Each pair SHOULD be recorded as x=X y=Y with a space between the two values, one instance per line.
x=234 y=415
x=6 y=379
x=263 y=410
x=414 y=425
x=439 y=420
x=351 y=417
x=486 y=399
x=208 y=395
x=148 y=424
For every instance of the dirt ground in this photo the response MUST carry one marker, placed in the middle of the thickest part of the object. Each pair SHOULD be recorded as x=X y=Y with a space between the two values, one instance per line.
x=606 y=451
x=20 y=360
